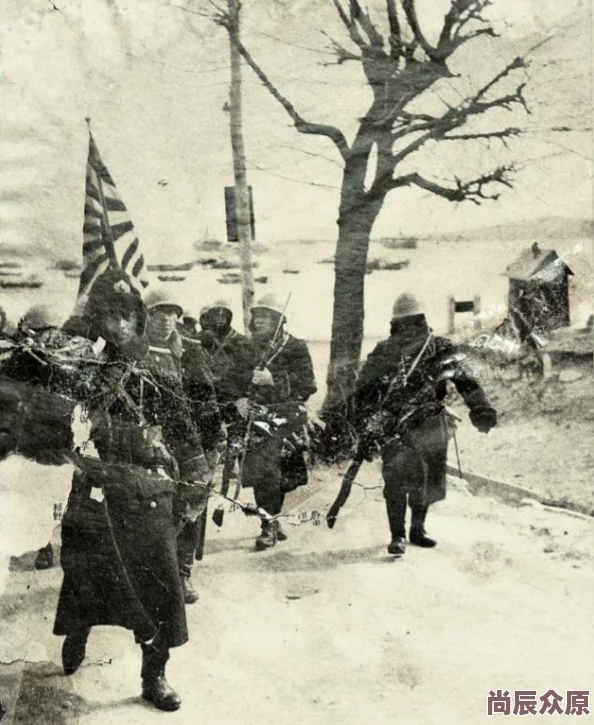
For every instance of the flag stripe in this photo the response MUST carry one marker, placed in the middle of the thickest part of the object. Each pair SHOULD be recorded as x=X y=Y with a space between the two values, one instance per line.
x=118 y=230
x=88 y=273
x=114 y=204
x=91 y=211
x=93 y=246
x=129 y=253
x=137 y=268
x=90 y=227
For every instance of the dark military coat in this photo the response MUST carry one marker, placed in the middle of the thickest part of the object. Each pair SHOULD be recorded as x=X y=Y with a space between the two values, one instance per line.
x=403 y=411
x=232 y=361
x=291 y=367
x=119 y=550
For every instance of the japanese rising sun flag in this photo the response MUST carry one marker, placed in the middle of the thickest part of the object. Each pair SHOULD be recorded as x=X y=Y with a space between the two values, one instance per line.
x=109 y=237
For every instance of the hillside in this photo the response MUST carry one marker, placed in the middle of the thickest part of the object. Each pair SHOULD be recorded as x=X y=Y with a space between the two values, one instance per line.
x=544 y=228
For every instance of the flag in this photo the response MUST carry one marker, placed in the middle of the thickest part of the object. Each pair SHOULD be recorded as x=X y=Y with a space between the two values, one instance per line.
x=109 y=237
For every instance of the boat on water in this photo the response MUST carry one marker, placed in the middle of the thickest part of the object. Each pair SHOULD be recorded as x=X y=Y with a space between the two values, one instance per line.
x=20 y=283
x=171 y=277
x=399 y=242
x=185 y=267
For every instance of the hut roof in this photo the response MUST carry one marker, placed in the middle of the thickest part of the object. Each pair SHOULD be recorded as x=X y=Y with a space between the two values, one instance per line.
x=537 y=263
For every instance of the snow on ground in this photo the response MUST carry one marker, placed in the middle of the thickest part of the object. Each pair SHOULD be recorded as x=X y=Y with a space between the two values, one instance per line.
x=327 y=628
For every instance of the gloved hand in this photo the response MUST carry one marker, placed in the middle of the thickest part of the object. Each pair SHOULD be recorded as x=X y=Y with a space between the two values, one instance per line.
x=369 y=448
x=262 y=377
x=483 y=418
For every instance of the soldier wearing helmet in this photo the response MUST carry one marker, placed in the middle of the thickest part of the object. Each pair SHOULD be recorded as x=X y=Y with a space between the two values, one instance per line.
x=231 y=355
x=184 y=358
x=282 y=381
x=400 y=413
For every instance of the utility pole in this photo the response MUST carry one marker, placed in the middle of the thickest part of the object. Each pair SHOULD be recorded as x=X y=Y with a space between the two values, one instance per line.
x=242 y=203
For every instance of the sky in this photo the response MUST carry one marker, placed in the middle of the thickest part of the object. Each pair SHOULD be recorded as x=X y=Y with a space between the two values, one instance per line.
x=154 y=80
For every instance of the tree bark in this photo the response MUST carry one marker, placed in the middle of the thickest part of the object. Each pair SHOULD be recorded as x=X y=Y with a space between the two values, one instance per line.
x=358 y=212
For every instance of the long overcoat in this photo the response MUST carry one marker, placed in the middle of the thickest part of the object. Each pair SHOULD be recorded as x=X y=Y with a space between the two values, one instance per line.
x=404 y=412
x=294 y=382
x=119 y=551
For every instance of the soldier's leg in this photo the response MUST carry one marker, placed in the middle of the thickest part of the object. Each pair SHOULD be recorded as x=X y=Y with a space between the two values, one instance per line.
x=417 y=535
x=187 y=540
x=395 y=497
x=262 y=469
x=432 y=443
x=155 y=687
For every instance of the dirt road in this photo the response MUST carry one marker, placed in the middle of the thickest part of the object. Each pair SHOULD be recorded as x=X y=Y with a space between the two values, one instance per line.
x=326 y=628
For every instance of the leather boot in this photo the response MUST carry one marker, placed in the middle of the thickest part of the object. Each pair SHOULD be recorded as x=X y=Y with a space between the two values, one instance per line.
x=417 y=534
x=281 y=534
x=190 y=594
x=45 y=557
x=396 y=510
x=74 y=650
x=155 y=687
x=268 y=537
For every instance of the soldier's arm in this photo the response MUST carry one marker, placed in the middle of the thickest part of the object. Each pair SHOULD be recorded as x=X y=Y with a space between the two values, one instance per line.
x=369 y=385
x=456 y=368
x=199 y=388
x=237 y=382
x=301 y=374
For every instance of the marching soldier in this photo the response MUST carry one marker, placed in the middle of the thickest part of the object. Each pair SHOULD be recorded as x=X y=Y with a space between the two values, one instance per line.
x=184 y=359
x=232 y=362
x=283 y=380
x=400 y=411
x=119 y=552
x=231 y=355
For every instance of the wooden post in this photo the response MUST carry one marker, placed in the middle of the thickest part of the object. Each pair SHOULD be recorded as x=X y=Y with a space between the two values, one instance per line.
x=242 y=201
x=451 y=314
x=477 y=312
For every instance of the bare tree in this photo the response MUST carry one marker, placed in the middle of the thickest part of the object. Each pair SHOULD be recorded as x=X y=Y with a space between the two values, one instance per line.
x=400 y=65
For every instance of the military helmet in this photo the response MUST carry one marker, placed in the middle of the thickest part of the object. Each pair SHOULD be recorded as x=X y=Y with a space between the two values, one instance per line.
x=269 y=302
x=40 y=317
x=220 y=304
x=162 y=297
x=406 y=305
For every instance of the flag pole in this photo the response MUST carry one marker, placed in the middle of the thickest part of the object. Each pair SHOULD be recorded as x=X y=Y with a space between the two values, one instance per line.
x=105 y=228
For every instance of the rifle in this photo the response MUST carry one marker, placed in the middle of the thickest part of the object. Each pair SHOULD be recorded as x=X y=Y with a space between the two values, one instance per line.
x=345 y=488
x=358 y=458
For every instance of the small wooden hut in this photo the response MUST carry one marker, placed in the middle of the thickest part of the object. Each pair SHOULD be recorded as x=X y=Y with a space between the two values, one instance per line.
x=538 y=290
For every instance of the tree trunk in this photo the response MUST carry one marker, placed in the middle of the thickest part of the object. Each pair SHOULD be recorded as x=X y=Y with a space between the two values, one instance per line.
x=354 y=230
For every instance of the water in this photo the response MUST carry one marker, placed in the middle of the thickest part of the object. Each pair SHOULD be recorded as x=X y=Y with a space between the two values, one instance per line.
x=436 y=271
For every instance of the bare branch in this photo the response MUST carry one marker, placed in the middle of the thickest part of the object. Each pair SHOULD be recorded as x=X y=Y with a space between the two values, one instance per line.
x=502 y=135
x=303 y=126
x=464 y=190
x=411 y=15
x=356 y=36
x=364 y=20
x=395 y=32
x=460 y=14
x=515 y=64
x=456 y=117
x=342 y=54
